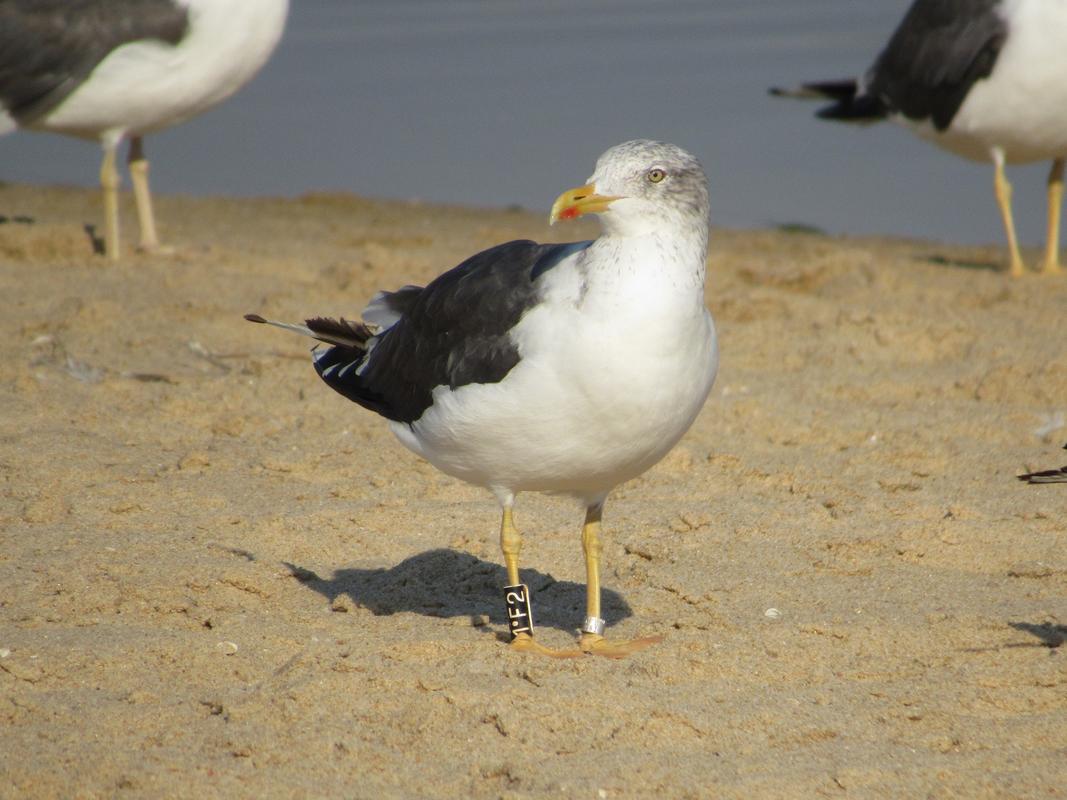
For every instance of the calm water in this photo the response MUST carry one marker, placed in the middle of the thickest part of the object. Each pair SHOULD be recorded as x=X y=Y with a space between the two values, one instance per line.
x=501 y=102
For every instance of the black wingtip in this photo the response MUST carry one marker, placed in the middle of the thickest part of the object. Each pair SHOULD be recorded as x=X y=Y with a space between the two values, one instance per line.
x=818 y=90
x=1045 y=476
x=255 y=318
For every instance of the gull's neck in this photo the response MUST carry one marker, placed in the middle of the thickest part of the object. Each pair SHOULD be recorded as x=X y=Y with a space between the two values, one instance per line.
x=668 y=257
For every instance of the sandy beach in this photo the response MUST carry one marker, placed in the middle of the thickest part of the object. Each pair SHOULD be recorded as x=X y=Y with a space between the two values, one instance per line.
x=221 y=578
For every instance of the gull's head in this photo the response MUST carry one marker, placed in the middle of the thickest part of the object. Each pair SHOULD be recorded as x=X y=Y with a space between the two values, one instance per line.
x=640 y=187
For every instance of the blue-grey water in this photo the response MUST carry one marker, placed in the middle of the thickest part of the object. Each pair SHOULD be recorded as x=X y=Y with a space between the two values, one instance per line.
x=507 y=102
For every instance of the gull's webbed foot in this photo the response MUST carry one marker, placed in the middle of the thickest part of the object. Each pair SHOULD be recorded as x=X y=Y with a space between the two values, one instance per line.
x=525 y=643
x=157 y=249
x=1051 y=266
x=597 y=645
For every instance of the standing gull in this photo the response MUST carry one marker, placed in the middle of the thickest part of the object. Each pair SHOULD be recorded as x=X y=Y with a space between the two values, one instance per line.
x=560 y=368
x=115 y=69
x=985 y=79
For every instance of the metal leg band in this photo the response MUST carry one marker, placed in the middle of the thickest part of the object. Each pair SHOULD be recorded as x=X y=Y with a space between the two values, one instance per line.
x=593 y=625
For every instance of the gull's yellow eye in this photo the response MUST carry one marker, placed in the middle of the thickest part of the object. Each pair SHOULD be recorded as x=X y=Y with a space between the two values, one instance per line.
x=655 y=175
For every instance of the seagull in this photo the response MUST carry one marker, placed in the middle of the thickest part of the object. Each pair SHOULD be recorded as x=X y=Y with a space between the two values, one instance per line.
x=984 y=79
x=1046 y=475
x=108 y=70
x=558 y=368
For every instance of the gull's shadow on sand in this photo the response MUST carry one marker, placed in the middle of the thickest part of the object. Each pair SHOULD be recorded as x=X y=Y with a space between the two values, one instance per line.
x=961 y=263
x=17 y=219
x=450 y=583
x=95 y=240
x=1049 y=634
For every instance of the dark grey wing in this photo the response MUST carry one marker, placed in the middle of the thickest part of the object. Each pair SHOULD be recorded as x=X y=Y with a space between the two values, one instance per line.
x=939 y=51
x=49 y=47
x=452 y=333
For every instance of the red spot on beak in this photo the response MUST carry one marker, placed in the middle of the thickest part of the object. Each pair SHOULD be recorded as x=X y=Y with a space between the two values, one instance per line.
x=568 y=213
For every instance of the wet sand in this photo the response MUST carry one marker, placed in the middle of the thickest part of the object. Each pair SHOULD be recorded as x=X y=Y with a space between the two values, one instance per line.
x=221 y=577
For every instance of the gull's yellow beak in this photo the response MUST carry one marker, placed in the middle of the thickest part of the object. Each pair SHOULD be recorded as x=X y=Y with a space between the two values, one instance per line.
x=580 y=200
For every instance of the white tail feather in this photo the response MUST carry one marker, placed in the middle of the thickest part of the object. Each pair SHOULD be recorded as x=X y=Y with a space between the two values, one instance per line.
x=289 y=326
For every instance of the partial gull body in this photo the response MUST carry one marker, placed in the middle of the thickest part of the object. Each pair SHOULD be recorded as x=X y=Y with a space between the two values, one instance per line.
x=1046 y=475
x=108 y=70
x=562 y=368
x=984 y=79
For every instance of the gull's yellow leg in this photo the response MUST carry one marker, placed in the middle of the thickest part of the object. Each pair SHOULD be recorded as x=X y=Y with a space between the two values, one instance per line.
x=1003 y=192
x=109 y=182
x=592 y=548
x=138 y=165
x=511 y=544
x=593 y=640
x=1051 y=264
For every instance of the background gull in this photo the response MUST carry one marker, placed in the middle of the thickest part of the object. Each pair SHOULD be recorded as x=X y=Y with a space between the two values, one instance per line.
x=985 y=79
x=115 y=69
